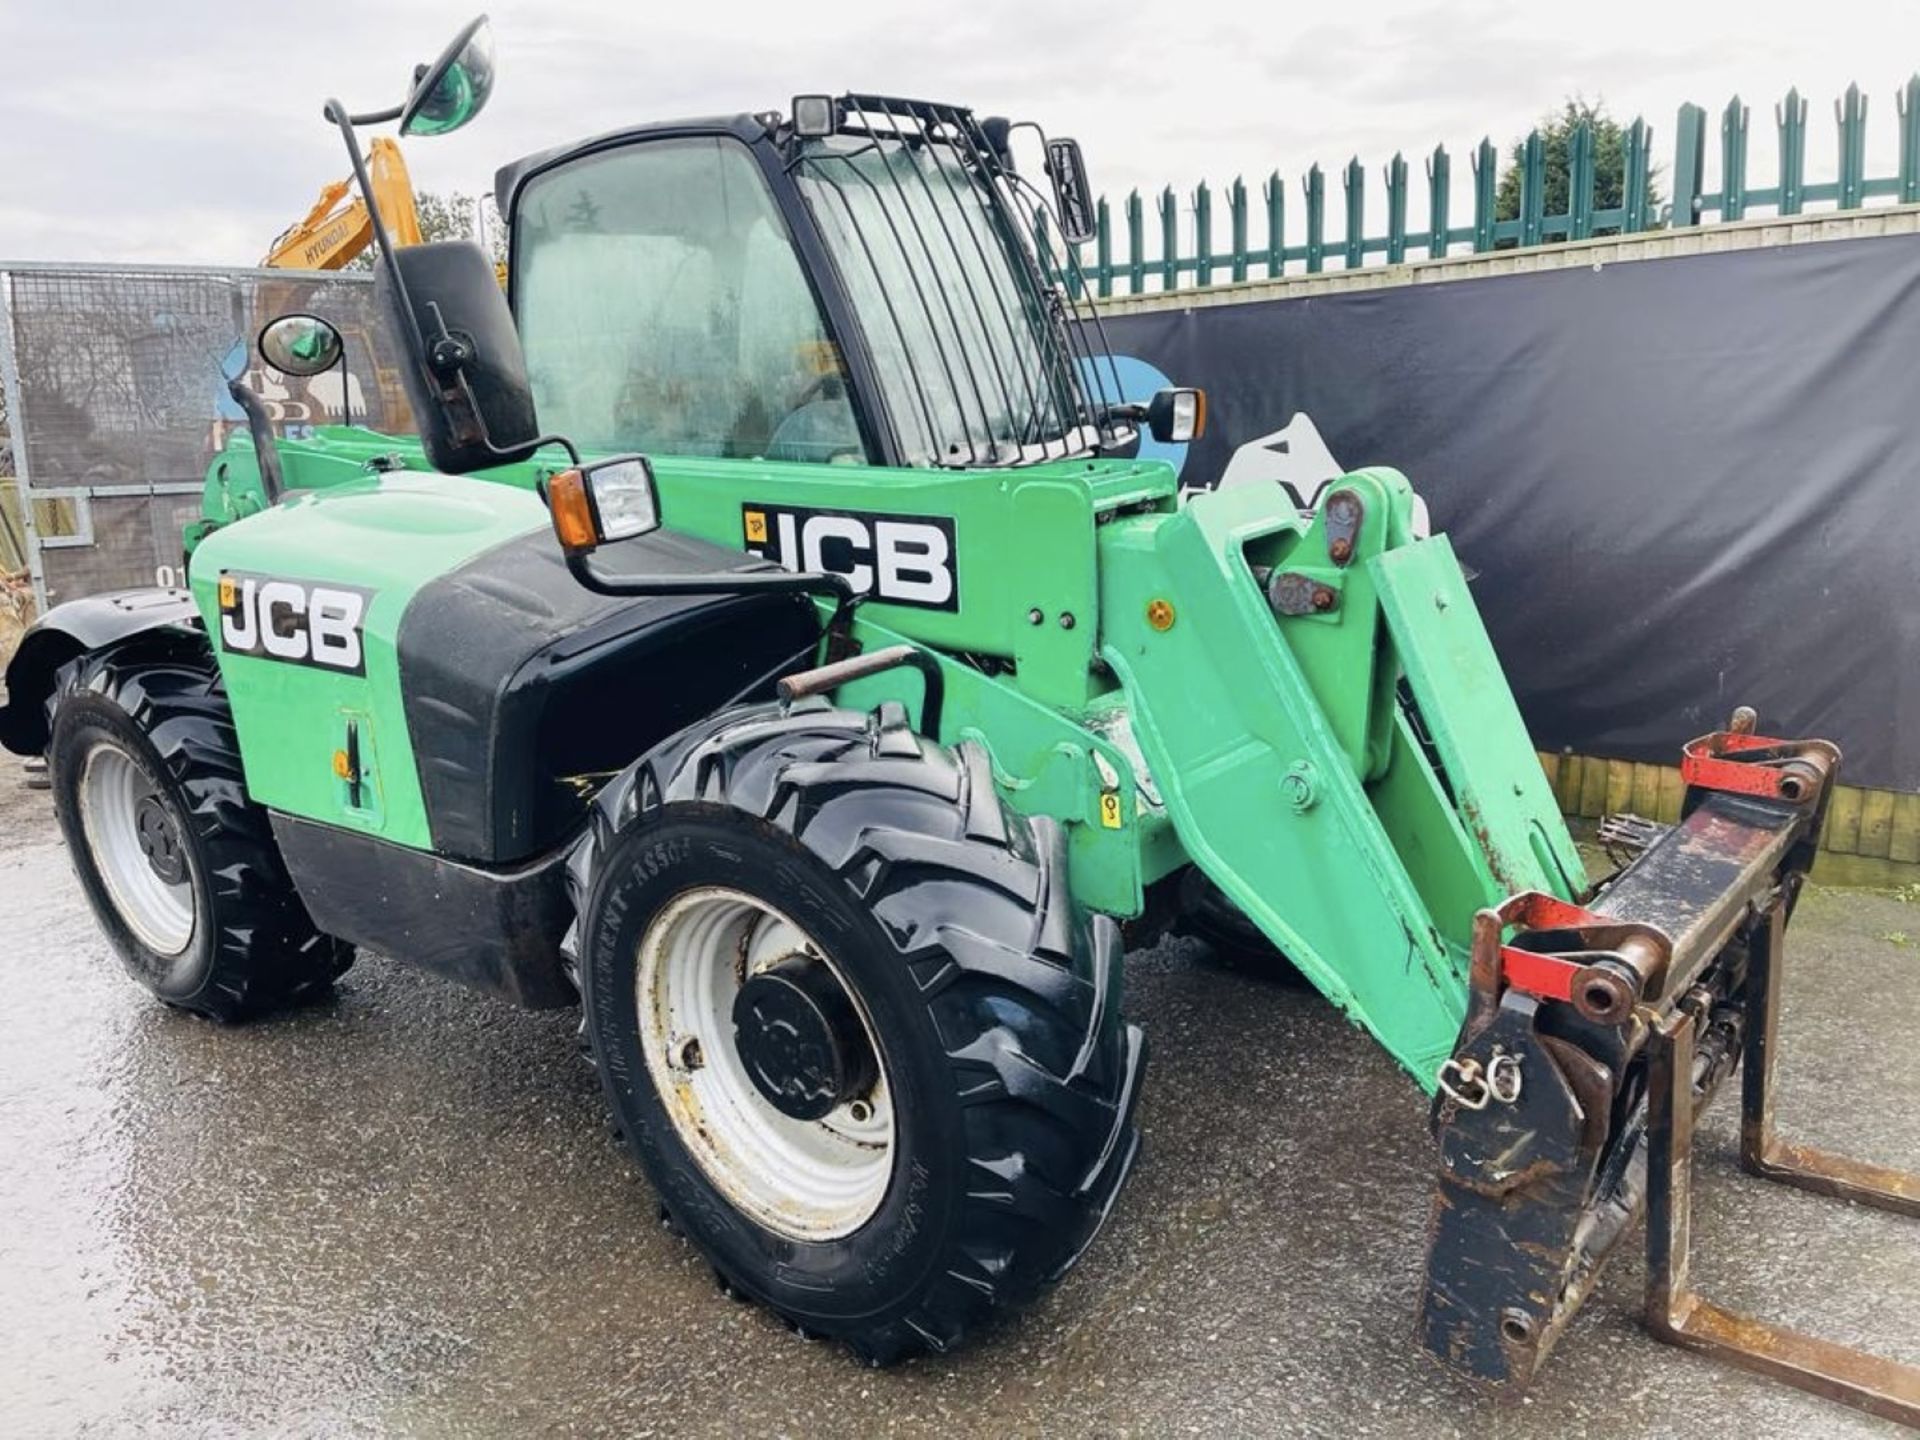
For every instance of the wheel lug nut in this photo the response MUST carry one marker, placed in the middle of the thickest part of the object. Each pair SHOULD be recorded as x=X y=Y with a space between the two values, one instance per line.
x=860 y=1112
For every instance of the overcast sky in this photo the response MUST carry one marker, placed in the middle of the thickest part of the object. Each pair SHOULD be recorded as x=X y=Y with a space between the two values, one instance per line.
x=188 y=130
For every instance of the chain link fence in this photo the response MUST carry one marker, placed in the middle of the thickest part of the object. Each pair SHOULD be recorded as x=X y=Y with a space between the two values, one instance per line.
x=16 y=593
x=113 y=403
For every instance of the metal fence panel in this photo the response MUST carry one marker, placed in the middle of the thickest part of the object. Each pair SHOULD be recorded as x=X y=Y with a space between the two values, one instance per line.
x=115 y=381
x=1188 y=257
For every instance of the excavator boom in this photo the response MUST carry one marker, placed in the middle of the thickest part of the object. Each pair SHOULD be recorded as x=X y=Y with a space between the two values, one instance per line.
x=339 y=226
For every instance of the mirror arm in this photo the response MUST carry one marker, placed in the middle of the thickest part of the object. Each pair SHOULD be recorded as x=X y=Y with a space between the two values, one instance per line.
x=337 y=113
x=537 y=443
x=758 y=582
x=375 y=117
x=260 y=427
x=1033 y=125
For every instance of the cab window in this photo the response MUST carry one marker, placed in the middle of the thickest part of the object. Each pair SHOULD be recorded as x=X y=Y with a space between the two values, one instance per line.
x=663 y=309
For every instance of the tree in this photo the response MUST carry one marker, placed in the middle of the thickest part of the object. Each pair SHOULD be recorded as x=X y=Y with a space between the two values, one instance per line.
x=451 y=217
x=1609 y=164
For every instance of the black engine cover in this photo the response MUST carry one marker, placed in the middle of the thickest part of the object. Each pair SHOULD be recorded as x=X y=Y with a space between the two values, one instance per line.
x=524 y=690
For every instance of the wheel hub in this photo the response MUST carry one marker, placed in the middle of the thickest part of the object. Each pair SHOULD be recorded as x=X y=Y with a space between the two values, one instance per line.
x=780 y=1094
x=159 y=840
x=800 y=1039
x=138 y=848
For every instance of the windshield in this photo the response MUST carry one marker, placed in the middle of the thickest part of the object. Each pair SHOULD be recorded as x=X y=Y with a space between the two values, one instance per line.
x=977 y=366
x=663 y=310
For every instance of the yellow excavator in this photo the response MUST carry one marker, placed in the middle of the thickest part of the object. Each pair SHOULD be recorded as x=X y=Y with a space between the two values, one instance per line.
x=338 y=226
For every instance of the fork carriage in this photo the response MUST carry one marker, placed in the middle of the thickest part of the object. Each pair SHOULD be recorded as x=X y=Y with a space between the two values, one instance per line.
x=1596 y=1035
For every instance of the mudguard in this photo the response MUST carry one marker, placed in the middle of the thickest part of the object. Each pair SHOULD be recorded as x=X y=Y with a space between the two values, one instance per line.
x=73 y=629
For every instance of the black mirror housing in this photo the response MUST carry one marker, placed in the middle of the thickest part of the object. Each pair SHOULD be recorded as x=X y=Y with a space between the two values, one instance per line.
x=466 y=377
x=1072 y=196
x=455 y=87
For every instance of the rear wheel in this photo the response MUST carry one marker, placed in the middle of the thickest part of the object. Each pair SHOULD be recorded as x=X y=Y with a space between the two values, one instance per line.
x=852 y=1028
x=1236 y=942
x=178 y=864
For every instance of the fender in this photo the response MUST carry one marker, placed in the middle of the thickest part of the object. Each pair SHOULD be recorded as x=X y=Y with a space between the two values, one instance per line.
x=73 y=629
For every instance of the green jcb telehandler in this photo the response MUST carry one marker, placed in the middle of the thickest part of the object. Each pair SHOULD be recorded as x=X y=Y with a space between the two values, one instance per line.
x=775 y=645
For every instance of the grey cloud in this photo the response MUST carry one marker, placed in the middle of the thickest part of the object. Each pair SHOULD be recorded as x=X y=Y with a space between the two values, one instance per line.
x=188 y=130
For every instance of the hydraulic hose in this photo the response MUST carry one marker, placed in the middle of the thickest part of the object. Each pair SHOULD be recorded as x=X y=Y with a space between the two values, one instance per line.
x=260 y=427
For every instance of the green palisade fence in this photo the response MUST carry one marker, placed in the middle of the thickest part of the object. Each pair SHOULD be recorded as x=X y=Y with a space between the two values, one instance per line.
x=1109 y=267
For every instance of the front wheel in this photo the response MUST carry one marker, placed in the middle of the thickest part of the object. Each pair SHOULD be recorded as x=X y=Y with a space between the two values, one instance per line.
x=849 y=1022
x=179 y=865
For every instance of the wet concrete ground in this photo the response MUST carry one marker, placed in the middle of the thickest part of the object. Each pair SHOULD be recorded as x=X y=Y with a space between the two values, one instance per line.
x=399 y=1213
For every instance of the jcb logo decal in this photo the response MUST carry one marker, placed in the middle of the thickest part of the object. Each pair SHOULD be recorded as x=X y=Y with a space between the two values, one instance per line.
x=901 y=559
x=291 y=620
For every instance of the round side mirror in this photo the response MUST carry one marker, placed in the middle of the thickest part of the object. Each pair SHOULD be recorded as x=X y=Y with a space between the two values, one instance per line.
x=454 y=89
x=301 y=345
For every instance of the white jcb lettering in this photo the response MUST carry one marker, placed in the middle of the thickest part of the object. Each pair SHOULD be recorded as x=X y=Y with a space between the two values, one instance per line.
x=818 y=529
x=333 y=623
x=901 y=559
x=913 y=562
x=284 y=638
x=285 y=620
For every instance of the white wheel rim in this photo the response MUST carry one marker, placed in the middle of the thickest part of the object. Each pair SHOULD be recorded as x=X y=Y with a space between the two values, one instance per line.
x=810 y=1180
x=158 y=912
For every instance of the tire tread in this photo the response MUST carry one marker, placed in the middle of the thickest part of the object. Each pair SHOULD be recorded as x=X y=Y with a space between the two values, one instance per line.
x=890 y=813
x=266 y=950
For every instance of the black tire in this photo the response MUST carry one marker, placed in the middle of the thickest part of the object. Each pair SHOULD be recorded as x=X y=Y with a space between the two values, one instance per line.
x=1207 y=915
x=994 y=1005
x=160 y=703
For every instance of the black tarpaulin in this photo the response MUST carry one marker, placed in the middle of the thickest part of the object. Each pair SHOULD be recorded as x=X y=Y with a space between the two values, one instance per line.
x=1686 y=483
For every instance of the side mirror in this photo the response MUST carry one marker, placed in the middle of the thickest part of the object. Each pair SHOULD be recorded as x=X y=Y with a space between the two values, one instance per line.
x=454 y=89
x=303 y=345
x=467 y=380
x=1071 y=195
x=595 y=505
